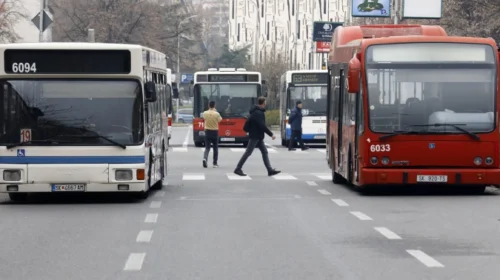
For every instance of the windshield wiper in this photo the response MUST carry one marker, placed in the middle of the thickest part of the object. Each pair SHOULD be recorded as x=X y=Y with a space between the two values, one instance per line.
x=399 y=132
x=456 y=126
x=96 y=136
x=46 y=141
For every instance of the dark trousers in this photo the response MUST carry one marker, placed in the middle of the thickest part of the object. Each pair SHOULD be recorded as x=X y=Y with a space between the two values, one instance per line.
x=252 y=144
x=296 y=134
x=211 y=137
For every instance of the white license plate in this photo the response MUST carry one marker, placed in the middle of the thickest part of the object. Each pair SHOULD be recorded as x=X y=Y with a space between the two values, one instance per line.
x=68 y=188
x=227 y=139
x=432 y=178
x=320 y=137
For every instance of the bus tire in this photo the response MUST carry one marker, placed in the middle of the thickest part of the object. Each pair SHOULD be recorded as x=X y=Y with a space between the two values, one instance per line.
x=336 y=178
x=18 y=197
x=198 y=144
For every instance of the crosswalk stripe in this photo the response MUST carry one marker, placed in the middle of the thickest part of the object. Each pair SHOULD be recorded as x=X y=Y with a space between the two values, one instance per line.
x=323 y=151
x=193 y=177
x=237 y=177
x=323 y=176
x=284 y=176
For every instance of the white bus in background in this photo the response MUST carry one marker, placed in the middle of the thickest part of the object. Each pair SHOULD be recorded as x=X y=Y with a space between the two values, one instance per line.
x=173 y=92
x=82 y=117
x=310 y=87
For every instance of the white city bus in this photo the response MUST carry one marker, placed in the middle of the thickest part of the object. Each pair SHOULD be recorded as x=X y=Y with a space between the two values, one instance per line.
x=82 y=117
x=310 y=87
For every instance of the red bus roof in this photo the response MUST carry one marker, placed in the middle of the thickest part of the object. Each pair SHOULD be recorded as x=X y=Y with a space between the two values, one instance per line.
x=351 y=36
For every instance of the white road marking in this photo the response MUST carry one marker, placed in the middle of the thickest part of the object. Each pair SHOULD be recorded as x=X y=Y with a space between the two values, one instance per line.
x=134 y=262
x=323 y=176
x=151 y=218
x=186 y=140
x=424 y=258
x=272 y=151
x=300 y=151
x=182 y=198
x=237 y=177
x=362 y=216
x=340 y=202
x=324 y=192
x=193 y=177
x=270 y=146
x=155 y=204
x=241 y=150
x=311 y=183
x=159 y=194
x=297 y=196
x=144 y=236
x=323 y=151
x=387 y=233
x=180 y=149
x=284 y=176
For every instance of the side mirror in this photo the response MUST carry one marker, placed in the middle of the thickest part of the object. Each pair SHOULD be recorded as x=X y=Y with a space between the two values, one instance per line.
x=175 y=93
x=353 y=71
x=150 y=91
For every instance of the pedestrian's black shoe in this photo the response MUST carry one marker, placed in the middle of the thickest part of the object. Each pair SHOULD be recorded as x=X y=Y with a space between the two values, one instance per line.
x=205 y=163
x=216 y=165
x=239 y=172
x=273 y=172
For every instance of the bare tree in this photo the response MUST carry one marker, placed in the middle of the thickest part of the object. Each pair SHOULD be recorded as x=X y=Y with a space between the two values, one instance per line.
x=11 y=12
x=272 y=67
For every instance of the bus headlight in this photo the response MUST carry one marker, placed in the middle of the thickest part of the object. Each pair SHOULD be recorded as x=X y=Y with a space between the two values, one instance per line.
x=478 y=161
x=385 y=160
x=488 y=161
x=123 y=175
x=12 y=175
x=374 y=160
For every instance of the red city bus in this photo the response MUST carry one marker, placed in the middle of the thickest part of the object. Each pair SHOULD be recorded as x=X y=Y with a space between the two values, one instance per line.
x=234 y=91
x=409 y=110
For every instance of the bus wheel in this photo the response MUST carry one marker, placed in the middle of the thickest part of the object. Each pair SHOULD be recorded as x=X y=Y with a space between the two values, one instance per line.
x=18 y=197
x=198 y=144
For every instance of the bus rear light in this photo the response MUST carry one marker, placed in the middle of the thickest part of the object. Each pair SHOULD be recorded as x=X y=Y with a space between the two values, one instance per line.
x=374 y=160
x=140 y=174
x=385 y=161
x=488 y=161
x=478 y=161
x=12 y=175
x=123 y=175
x=170 y=121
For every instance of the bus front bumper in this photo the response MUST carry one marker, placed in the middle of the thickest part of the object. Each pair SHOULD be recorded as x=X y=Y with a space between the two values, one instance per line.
x=454 y=176
x=90 y=187
x=199 y=136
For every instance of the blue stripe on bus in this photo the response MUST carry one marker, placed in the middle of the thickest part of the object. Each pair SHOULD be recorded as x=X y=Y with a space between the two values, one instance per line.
x=288 y=134
x=73 y=160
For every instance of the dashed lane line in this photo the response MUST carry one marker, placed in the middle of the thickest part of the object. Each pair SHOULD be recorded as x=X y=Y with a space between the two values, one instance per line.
x=155 y=204
x=311 y=183
x=360 y=215
x=387 y=233
x=159 y=194
x=134 y=262
x=324 y=192
x=144 y=236
x=151 y=218
x=424 y=258
x=340 y=202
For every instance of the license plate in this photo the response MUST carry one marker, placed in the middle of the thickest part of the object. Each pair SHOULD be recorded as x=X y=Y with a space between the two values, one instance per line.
x=227 y=139
x=320 y=137
x=68 y=188
x=432 y=178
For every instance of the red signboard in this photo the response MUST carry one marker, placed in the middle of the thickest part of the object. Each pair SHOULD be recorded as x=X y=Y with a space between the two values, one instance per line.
x=323 y=47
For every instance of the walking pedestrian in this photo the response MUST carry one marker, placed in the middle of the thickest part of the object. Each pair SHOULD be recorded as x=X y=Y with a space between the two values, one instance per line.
x=212 y=119
x=295 y=121
x=256 y=127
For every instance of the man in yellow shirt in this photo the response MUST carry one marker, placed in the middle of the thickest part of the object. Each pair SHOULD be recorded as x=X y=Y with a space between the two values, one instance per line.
x=212 y=119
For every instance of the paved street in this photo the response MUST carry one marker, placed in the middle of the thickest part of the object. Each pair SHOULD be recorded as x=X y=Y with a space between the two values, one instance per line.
x=209 y=224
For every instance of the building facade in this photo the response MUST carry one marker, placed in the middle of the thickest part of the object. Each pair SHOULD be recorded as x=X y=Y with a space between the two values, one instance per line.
x=283 y=28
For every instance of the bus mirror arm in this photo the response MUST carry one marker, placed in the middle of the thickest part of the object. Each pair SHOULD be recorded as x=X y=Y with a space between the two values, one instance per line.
x=150 y=91
x=353 y=74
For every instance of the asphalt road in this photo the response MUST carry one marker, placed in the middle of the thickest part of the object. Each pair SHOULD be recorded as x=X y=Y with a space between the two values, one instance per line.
x=204 y=224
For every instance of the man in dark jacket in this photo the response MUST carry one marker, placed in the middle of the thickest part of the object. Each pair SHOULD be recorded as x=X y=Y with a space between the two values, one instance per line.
x=295 y=121
x=256 y=127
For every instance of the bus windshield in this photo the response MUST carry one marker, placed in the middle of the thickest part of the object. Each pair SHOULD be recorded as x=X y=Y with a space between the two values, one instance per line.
x=71 y=112
x=433 y=96
x=313 y=99
x=231 y=100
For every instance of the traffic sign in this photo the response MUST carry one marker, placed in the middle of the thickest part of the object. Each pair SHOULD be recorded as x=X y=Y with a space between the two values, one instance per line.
x=186 y=78
x=323 y=30
x=47 y=21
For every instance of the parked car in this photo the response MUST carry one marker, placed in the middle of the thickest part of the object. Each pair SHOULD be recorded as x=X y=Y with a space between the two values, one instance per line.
x=185 y=115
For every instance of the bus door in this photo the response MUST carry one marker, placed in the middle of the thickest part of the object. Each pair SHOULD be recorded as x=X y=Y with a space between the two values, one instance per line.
x=340 y=113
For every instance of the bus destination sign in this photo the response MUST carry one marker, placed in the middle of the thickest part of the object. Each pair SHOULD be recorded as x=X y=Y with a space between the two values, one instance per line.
x=221 y=78
x=310 y=78
x=28 y=61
